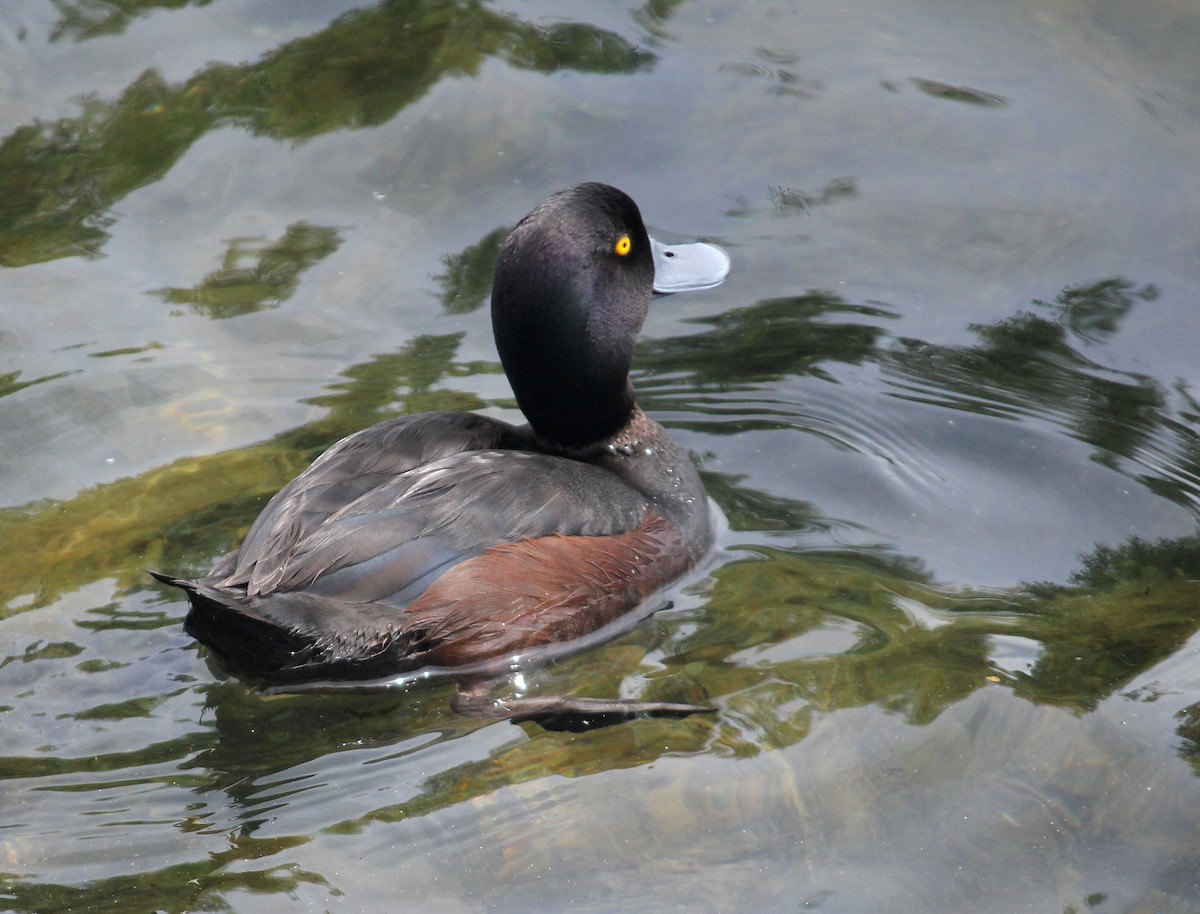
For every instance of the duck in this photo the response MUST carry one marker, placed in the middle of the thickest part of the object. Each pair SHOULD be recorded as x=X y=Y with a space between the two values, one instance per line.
x=454 y=541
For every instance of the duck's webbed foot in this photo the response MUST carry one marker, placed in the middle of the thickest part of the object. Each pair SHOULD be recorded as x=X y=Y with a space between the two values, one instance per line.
x=556 y=712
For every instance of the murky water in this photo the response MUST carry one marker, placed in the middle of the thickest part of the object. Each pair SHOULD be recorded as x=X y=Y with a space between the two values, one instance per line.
x=947 y=402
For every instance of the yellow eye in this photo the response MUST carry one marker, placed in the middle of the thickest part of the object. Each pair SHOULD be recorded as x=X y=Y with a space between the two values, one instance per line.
x=623 y=246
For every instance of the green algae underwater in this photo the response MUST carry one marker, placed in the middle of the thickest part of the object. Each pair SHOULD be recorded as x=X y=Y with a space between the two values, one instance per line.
x=944 y=404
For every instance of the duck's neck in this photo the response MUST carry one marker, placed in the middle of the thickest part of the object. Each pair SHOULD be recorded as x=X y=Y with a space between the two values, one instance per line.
x=572 y=414
x=645 y=456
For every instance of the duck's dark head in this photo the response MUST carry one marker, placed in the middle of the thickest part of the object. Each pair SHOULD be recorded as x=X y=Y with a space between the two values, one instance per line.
x=572 y=288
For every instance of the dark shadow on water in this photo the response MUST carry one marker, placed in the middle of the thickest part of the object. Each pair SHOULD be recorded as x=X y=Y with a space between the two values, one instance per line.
x=963 y=94
x=1127 y=608
x=771 y=339
x=467 y=280
x=1041 y=363
x=59 y=180
x=85 y=19
x=11 y=383
x=257 y=274
x=196 y=886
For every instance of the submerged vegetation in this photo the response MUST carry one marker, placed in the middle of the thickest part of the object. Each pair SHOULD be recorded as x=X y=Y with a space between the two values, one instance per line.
x=943 y=355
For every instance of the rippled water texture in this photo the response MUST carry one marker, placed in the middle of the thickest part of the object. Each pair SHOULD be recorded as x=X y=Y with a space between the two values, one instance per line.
x=946 y=401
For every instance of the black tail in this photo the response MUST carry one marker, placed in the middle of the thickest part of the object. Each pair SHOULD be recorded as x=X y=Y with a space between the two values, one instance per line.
x=249 y=643
x=286 y=638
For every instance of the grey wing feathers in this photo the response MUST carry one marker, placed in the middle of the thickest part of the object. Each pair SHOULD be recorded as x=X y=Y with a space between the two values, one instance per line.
x=359 y=529
x=353 y=466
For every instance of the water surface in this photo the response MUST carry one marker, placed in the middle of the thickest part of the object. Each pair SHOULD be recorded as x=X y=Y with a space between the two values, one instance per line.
x=946 y=402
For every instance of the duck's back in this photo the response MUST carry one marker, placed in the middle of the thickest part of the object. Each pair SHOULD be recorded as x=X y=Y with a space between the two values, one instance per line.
x=432 y=539
x=348 y=470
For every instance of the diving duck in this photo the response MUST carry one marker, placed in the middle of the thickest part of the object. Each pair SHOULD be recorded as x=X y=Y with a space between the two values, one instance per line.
x=455 y=541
